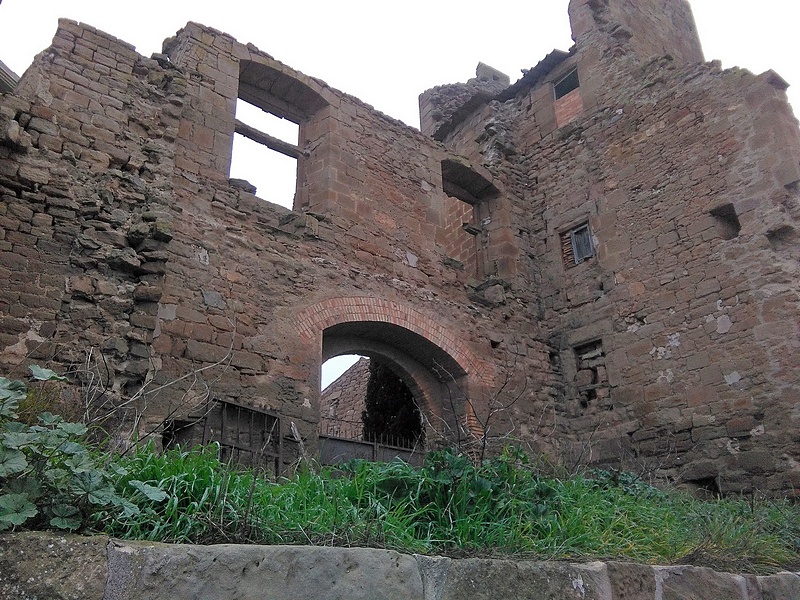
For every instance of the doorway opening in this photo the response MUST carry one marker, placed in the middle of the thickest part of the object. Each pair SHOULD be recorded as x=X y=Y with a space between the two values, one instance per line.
x=368 y=401
x=390 y=416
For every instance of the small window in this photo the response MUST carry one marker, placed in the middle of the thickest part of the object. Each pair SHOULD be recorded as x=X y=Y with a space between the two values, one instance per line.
x=726 y=221
x=577 y=245
x=568 y=83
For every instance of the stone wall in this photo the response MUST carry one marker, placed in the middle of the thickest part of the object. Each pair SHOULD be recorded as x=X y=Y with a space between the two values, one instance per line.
x=677 y=337
x=343 y=401
x=40 y=565
x=140 y=270
x=685 y=286
x=610 y=278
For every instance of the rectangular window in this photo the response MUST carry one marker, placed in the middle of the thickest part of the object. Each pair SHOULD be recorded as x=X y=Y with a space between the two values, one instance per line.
x=265 y=153
x=566 y=84
x=568 y=100
x=577 y=245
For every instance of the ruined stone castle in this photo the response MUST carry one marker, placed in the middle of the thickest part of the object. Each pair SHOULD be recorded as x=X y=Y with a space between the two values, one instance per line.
x=598 y=261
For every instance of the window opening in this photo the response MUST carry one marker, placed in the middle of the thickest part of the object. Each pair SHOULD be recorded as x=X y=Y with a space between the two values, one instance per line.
x=467 y=192
x=727 y=222
x=566 y=84
x=265 y=153
x=577 y=245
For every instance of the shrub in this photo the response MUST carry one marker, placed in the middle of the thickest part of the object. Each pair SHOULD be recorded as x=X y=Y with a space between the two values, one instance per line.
x=48 y=476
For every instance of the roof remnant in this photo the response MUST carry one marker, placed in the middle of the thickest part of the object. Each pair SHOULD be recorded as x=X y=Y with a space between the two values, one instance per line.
x=8 y=79
x=480 y=98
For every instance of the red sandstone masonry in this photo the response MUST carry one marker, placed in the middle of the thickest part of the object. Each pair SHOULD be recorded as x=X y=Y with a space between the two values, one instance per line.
x=569 y=108
x=675 y=293
x=124 y=245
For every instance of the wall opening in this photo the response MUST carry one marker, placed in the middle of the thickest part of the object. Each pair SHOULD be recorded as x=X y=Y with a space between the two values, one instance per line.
x=577 y=245
x=391 y=415
x=342 y=400
x=369 y=401
x=335 y=367
x=726 y=221
x=273 y=106
x=568 y=100
x=566 y=84
x=418 y=391
x=263 y=153
x=467 y=222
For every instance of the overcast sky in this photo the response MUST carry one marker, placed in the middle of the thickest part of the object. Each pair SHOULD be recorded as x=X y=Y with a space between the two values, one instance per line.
x=386 y=53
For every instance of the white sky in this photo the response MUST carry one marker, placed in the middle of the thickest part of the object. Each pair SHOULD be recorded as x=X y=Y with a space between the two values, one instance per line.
x=386 y=53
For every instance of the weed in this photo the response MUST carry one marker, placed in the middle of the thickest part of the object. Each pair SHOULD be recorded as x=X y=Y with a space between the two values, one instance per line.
x=47 y=475
x=52 y=477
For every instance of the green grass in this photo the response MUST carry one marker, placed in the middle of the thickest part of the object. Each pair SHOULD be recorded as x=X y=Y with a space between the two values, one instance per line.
x=451 y=507
x=52 y=475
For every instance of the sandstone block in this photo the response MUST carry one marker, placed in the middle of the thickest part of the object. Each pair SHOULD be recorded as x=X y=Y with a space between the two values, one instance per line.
x=631 y=581
x=780 y=586
x=678 y=583
x=204 y=352
x=228 y=572
x=740 y=426
x=480 y=579
x=57 y=567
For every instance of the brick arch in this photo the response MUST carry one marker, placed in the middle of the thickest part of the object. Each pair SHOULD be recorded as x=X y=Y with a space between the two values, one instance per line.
x=313 y=320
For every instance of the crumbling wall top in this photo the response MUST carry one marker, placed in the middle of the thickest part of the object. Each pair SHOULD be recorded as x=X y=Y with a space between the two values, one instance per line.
x=642 y=28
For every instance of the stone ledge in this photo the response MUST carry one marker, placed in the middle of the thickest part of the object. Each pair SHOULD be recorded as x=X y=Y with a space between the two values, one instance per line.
x=66 y=567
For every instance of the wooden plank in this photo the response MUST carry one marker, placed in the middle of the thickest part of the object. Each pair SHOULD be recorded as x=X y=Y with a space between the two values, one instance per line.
x=269 y=141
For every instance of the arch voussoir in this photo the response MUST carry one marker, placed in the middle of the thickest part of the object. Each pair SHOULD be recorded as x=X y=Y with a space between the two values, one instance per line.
x=313 y=320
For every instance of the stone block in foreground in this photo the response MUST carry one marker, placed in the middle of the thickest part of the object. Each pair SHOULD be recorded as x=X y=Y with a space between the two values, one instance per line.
x=45 y=566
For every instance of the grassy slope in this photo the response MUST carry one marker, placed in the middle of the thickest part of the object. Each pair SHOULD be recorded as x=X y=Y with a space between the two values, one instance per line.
x=451 y=507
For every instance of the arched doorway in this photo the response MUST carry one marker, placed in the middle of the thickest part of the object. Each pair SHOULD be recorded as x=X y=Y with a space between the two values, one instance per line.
x=440 y=370
x=364 y=399
x=432 y=380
